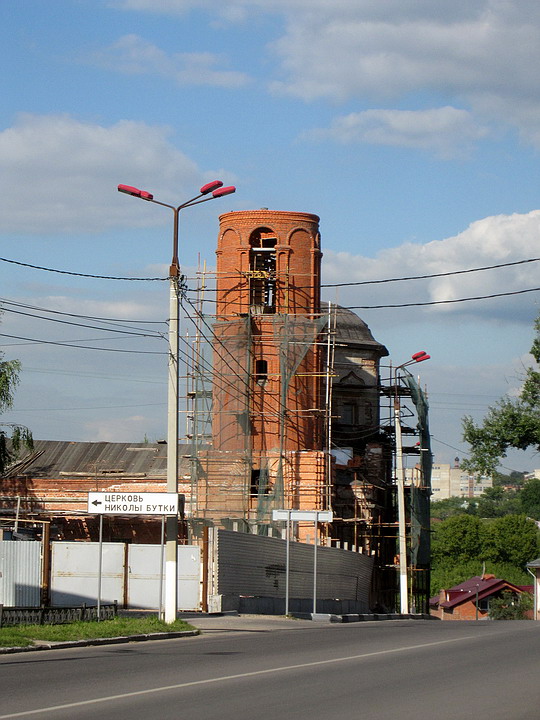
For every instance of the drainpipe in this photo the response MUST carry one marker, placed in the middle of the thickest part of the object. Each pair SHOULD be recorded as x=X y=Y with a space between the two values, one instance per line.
x=535 y=602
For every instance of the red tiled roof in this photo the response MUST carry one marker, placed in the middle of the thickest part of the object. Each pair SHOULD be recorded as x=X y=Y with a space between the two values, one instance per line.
x=486 y=586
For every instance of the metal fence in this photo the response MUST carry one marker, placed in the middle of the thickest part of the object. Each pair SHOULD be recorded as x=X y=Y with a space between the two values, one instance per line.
x=10 y=616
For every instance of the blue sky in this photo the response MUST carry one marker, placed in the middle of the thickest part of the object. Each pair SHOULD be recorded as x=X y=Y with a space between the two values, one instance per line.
x=411 y=127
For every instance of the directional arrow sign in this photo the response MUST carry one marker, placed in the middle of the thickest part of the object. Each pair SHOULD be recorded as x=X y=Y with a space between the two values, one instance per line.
x=132 y=503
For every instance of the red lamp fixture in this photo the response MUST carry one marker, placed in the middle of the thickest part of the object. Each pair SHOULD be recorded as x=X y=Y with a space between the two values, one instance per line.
x=129 y=190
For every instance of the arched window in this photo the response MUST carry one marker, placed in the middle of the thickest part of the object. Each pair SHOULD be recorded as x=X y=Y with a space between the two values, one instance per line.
x=262 y=265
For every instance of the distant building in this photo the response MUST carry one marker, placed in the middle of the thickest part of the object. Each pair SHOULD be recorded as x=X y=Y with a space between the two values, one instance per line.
x=470 y=600
x=452 y=481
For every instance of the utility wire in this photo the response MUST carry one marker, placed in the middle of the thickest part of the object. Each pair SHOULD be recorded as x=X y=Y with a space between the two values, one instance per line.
x=81 y=347
x=397 y=279
x=442 y=302
x=112 y=321
x=325 y=285
x=92 y=327
x=78 y=274
x=433 y=275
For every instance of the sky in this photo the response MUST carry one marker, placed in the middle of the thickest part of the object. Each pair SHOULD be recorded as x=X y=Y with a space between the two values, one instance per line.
x=411 y=127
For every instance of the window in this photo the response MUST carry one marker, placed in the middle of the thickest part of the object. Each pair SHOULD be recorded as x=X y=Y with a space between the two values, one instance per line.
x=261 y=372
x=263 y=270
x=348 y=413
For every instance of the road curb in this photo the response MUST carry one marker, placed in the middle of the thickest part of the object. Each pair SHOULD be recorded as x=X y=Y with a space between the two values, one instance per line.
x=45 y=645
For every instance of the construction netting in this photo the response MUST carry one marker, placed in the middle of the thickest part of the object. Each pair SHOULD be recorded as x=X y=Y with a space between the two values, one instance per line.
x=254 y=385
x=420 y=492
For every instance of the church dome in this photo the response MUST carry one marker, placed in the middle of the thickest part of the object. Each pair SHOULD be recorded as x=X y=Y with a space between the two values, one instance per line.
x=352 y=330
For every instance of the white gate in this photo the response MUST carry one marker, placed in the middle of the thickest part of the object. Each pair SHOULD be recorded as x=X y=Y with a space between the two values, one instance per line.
x=74 y=573
x=143 y=576
x=130 y=575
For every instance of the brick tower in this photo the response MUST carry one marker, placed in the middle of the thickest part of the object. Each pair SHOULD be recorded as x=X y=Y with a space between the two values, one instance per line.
x=268 y=309
x=268 y=414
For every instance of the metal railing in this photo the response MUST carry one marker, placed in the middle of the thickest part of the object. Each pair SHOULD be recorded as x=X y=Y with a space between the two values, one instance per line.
x=11 y=616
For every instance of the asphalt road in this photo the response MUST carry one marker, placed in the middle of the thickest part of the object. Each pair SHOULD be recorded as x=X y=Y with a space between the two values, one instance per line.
x=270 y=668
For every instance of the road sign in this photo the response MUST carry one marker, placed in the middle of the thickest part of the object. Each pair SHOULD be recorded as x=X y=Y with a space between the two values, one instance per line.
x=306 y=515
x=132 y=503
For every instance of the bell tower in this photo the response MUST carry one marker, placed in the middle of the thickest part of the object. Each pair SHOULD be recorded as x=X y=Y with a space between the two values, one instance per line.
x=266 y=359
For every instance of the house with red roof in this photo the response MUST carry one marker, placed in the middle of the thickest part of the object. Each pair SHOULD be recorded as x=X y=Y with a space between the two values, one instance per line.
x=470 y=600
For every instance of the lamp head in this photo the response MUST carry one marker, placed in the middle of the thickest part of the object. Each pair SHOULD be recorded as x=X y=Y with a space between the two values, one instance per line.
x=129 y=190
x=210 y=187
x=220 y=192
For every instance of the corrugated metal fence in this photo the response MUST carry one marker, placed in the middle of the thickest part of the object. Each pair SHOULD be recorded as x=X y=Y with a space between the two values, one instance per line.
x=254 y=566
x=20 y=573
x=130 y=574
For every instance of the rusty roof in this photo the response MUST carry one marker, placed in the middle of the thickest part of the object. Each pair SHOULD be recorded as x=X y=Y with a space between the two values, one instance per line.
x=55 y=458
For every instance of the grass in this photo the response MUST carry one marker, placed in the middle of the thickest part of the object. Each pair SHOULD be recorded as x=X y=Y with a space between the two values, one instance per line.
x=25 y=635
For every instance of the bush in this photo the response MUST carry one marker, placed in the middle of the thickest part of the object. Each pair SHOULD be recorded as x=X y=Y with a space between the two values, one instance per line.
x=510 y=607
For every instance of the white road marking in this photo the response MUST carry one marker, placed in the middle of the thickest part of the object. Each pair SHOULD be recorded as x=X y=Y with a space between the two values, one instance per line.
x=224 y=678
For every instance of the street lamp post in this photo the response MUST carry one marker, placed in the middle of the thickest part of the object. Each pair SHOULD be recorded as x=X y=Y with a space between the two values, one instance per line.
x=210 y=191
x=400 y=479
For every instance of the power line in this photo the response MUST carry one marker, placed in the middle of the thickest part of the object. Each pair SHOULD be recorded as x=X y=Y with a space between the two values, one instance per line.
x=399 y=279
x=4 y=301
x=433 y=275
x=441 y=302
x=79 y=274
x=325 y=285
x=92 y=327
x=82 y=347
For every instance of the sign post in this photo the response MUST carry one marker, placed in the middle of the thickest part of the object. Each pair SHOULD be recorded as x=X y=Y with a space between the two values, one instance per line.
x=289 y=516
x=131 y=503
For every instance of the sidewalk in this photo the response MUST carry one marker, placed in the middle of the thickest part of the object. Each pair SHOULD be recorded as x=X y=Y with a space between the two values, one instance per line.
x=213 y=624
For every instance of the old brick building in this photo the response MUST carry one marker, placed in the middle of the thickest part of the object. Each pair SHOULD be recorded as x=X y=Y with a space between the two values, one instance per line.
x=285 y=411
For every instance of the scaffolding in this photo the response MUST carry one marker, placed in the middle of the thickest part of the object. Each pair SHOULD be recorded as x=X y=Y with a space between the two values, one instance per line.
x=257 y=413
x=412 y=416
x=262 y=418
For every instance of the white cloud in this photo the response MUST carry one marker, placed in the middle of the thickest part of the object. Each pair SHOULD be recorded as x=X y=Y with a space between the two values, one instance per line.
x=60 y=174
x=446 y=131
x=360 y=50
x=483 y=55
x=133 y=55
x=494 y=240
x=133 y=428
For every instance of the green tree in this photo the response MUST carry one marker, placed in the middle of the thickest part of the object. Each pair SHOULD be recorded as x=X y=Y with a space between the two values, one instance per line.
x=510 y=607
x=512 y=423
x=496 y=502
x=512 y=539
x=530 y=498
x=449 y=507
x=12 y=436
x=459 y=538
x=449 y=572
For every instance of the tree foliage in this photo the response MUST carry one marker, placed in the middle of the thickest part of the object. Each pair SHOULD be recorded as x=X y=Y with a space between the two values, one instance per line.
x=510 y=607
x=459 y=538
x=12 y=436
x=448 y=573
x=511 y=423
x=529 y=498
x=449 y=507
x=497 y=502
x=512 y=539
x=463 y=543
